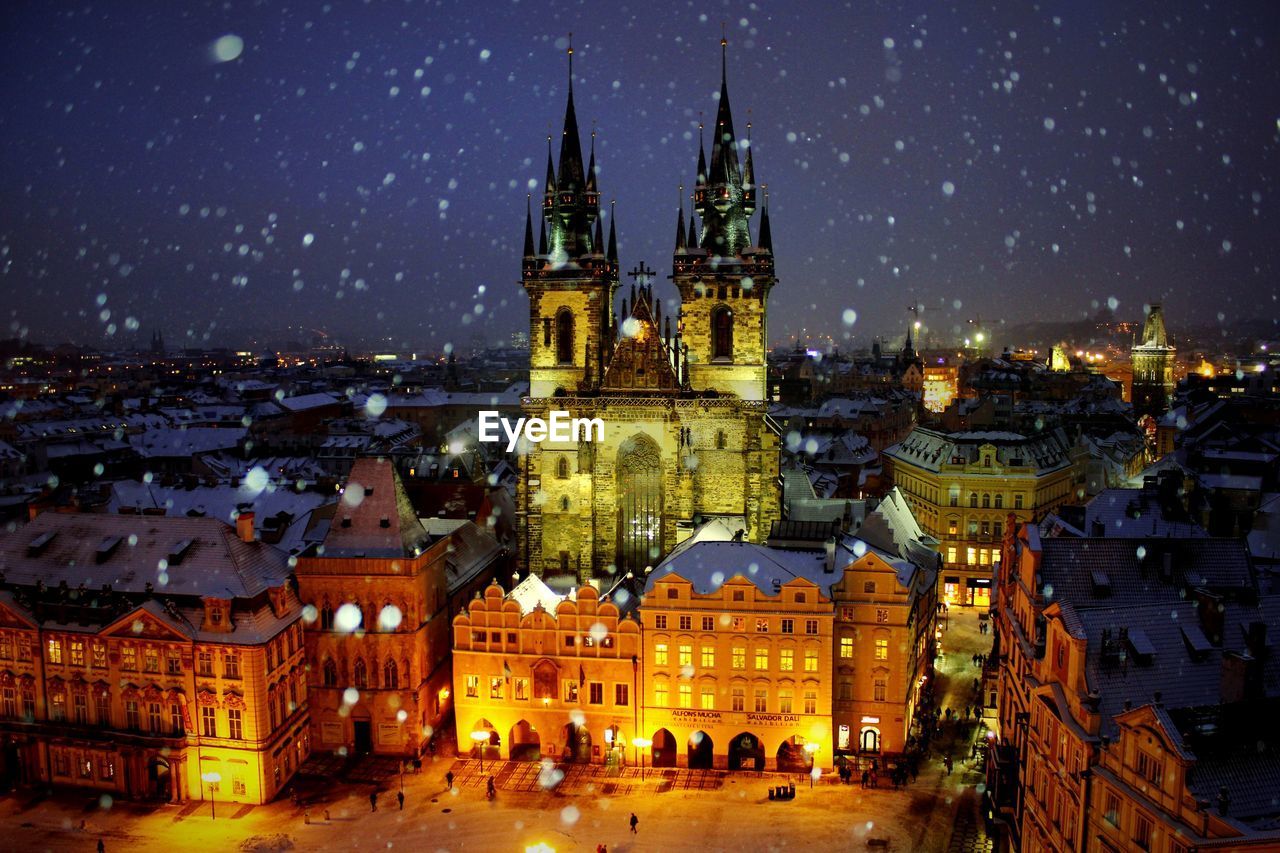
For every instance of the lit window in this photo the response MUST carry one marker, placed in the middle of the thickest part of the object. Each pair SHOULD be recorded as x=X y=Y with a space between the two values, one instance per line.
x=708 y=698
x=686 y=696
x=522 y=689
x=686 y=655
x=882 y=648
x=473 y=686
x=708 y=657
x=739 y=657
x=77 y=652
x=54 y=650
x=659 y=654
x=660 y=694
x=784 y=701
x=846 y=647
x=811 y=660
x=496 y=684
x=762 y=625
x=786 y=660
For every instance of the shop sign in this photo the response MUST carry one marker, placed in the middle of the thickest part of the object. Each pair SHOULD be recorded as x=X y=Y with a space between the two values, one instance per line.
x=684 y=715
x=773 y=719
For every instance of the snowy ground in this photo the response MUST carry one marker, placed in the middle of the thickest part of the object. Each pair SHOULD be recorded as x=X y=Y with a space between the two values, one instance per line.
x=735 y=814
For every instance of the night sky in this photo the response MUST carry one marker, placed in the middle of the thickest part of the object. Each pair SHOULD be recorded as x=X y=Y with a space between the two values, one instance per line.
x=221 y=169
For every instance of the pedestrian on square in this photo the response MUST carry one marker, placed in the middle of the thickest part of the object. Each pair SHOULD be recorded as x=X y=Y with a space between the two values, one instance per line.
x=102 y=848
x=306 y=817
x=326 y=815
x=635 y=821
x=947 y=761
x=866 y=774
x=448 y=778
x=373 y=801
x=400 y=798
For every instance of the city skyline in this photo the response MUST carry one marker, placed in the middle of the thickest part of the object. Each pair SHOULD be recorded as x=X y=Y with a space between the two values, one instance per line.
x=365 y=173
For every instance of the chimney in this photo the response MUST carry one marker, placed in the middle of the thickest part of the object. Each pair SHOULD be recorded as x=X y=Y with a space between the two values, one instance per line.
x=1255 y=640
x=1235 y=675
x=829 y=565
x=1166 y=566
x=244 y=525
x=1209 y=609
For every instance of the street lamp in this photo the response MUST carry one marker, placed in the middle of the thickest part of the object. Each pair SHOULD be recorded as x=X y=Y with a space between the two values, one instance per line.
x=812 y=748
x=213 y=778
x=641 y=744
x=480 y=736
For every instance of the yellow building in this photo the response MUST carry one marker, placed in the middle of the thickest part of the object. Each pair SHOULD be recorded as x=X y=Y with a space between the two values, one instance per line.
x=539 y=674
x=737 y=658
x=150 y=658
x=682 y=398
x=964 y=486
x=379 y=642
x=941 y=384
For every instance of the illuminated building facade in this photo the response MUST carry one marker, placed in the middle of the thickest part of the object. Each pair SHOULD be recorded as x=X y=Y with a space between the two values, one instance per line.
x=737 y=663
x=1153 y=363
x=150 y=658
x=379 y=644
x=682 y=398
x=538 y=674
x=964 y=486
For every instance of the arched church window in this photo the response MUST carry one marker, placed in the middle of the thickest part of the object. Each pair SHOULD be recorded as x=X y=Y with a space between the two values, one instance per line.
x=564 y=336
x=330 y=673
x=562 y=468
x=361 y=674
x=986 y=501
x=564 y=504
x=722 y=333
x=639 y=475
x=390 y=675
x=973 y=499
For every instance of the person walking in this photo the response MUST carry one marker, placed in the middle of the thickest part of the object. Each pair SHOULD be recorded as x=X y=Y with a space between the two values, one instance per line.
x=400 y=798
x=373 y=801
x=635 y=821
x=448 y=779
x=102 y=848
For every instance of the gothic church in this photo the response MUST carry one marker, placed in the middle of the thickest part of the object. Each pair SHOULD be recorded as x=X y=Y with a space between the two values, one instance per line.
x=683 y=398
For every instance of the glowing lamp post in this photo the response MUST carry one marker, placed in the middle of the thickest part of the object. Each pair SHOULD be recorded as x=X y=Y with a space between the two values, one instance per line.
x=812 y=748
x=480 y=737
x=641 y=744
x=211 y=778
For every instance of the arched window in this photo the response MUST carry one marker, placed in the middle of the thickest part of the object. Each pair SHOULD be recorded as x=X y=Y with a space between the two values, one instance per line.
x=639 y=473
x=564 y=336
x=973 y=499
x=326 y=616
x=564 y=504
x=562 y=468
x=722 y=333
x=361 y=674
x=986 y=501
x=999 y=501
x=330 y=673
x=720 y=440
x=390 y=675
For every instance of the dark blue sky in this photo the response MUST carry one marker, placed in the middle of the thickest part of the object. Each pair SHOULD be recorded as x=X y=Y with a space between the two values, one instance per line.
x=1000 y=160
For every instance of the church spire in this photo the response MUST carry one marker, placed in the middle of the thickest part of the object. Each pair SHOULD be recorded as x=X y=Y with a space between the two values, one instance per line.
x=680 y=244
x=612 y=254
x=528 y=226
x=766 y=235
x=591 y=168
x=720 y=198
x=549 y=188
x=571 y=177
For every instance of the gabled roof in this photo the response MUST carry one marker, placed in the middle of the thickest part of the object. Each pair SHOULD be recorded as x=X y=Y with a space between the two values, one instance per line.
x=374 y=518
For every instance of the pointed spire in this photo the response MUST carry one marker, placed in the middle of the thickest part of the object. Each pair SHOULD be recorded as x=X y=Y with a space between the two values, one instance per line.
x=597 y=248
x=528 y=226
x=542 y=237
x=550 y=186
x=749 y=170
x=702 y=159
x=693 y=231
x=680 y=244
x=591 y=169
x=570 y=176
x=766 y=235
x=724 y=146
x=612 y=254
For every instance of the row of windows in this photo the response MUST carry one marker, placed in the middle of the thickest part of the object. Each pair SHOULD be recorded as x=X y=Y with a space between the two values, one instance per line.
x=740 y=594
x=77 y=652
x=519 y=689
x=587 y=641
x=974 y=556
x=737 y=699
x=986 y=527
x=737 y=657
x=954 y=499
x=736 y=623
x=360 y=674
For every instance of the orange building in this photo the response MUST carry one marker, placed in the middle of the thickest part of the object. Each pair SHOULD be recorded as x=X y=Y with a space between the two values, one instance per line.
x=150 y=658
x=381 y=588
x=539 y=674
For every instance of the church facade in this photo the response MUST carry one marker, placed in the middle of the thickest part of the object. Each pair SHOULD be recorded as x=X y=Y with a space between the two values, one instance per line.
x=682 y=396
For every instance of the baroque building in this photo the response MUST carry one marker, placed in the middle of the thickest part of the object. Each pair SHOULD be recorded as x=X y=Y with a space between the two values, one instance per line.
x=682 y=397
x=1152 y=357
x=150 y=657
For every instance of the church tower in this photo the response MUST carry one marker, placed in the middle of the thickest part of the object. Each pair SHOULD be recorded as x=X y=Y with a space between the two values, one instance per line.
x=723 y=277
x=1152 y=358
x=687 y=438
x=572 y=275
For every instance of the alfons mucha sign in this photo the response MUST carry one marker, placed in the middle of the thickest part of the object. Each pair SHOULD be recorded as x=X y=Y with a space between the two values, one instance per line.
x=686 y=715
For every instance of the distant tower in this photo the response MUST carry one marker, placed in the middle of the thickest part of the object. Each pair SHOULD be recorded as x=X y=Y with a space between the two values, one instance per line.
x=1058 y=361
x=1152 y=367
x=157 y=343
